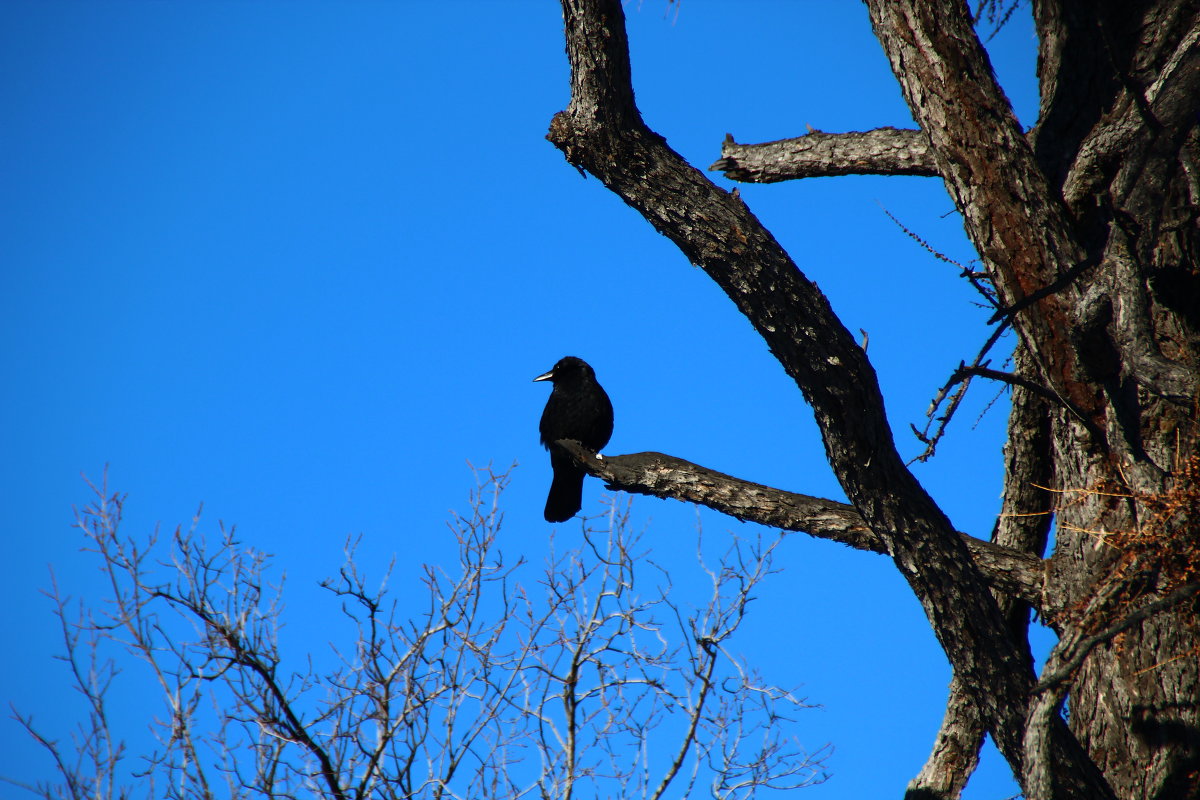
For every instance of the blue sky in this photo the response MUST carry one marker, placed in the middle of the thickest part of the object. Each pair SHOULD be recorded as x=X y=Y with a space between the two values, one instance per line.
x=300 y=262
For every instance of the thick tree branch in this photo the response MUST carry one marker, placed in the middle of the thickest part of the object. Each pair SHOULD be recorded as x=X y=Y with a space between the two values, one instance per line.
x=1132 y=332
x=1147 y=124
x=883 y=151
x=664 y=476
x=955 y=749
x=1025 y=510
x=1009 y=571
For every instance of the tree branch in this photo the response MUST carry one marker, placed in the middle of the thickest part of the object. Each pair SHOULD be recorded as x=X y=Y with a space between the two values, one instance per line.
x=955 y=750
x=965 y=373
x=658 y=475
x=956 y=379
x=1132 y=332
x=1167 y=104
x=883 y=151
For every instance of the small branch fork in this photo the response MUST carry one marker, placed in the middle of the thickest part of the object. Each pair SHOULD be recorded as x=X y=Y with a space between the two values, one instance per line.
x=962 y=379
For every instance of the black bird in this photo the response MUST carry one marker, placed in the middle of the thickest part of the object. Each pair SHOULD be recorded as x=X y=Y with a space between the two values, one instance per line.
x=578 y=409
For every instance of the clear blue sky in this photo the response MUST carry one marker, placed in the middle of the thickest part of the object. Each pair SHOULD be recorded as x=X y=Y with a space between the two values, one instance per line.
x=300 y=261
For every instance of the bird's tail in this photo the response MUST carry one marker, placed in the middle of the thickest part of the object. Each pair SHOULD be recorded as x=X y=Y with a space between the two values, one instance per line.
x=566 y=490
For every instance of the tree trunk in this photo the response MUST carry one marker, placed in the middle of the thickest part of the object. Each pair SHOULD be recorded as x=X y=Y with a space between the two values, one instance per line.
x=1116 y=138
x=1087 y=231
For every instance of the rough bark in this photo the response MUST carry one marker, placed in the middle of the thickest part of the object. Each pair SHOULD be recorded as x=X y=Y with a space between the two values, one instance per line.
x=1120 y=96
x=955 y=749
x=883 y=151
x=1013 y=572
x=1087 y=230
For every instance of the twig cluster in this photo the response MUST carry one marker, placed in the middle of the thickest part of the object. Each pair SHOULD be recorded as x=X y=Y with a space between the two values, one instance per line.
x=594 y=680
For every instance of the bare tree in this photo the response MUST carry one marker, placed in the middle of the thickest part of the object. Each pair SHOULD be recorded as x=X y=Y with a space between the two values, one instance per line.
x=598 y=679
x=1087 y=236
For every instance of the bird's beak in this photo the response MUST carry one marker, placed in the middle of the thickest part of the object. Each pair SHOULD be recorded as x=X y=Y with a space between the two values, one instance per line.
x=545 y=377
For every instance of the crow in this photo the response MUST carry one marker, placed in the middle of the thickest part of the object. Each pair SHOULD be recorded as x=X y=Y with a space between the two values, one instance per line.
x=578 y=409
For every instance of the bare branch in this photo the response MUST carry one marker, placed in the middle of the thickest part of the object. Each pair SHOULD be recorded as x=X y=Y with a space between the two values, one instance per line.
x=962 y=379
x=955 y=749
x=665 y=476
x=1131 y=330
x=964 y=373
x=883 y=151
x=974 y=277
